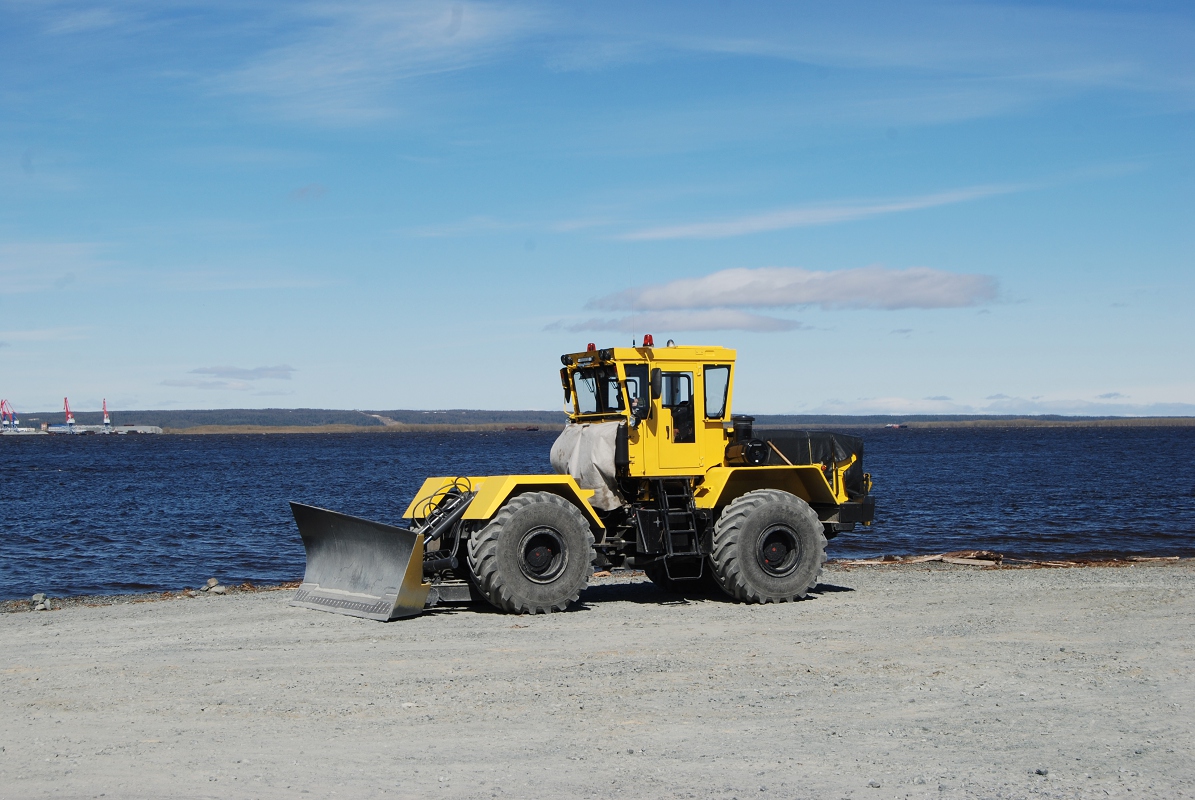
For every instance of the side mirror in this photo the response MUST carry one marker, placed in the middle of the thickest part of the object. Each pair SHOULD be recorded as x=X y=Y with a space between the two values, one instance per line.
x=568 y=387
x=657 y=383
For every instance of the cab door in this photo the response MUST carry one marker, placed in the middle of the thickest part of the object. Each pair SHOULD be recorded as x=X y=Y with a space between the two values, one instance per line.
x=678 y=423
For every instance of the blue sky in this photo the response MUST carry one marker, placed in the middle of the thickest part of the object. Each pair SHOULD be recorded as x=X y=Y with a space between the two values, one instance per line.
x=900 y=208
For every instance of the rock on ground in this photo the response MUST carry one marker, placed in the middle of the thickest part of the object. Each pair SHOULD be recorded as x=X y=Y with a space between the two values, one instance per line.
x=931 y=681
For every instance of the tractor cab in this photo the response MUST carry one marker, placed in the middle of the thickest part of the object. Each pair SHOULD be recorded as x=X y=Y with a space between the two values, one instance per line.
x=675 y=402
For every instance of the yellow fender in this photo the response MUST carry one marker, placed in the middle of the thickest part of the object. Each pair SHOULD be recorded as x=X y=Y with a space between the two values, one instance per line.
x=724 y=484
x=493 y=491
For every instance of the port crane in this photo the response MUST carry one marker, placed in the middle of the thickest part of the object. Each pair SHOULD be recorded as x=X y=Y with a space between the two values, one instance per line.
x=8 y=417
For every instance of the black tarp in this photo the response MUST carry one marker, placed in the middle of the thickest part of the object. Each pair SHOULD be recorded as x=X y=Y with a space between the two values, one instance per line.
x=817 y=447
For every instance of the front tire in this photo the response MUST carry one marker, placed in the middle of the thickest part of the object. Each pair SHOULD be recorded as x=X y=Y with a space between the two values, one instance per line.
x=768 y=547
x=534 y=557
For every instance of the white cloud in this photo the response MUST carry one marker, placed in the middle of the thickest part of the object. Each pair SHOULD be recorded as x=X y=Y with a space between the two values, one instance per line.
x=892 y=405
x=280 y=372
x=808 y=216
x=716 y=319
x=779 y=287
x=1002 y=405
x=1039 y=405
x=351 y=56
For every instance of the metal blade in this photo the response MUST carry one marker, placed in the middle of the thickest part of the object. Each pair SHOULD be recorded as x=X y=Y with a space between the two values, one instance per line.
x=358 y=567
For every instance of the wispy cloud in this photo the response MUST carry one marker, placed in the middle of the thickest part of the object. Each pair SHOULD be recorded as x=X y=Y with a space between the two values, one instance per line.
x=716 y=319
x=234 y=386
x=280 y=372
x=205 y=280
x=875 y=287
x=45 y=335
x=312 y=191
x=344 y=66
x=1042 y=45
x=813 y=215
x=42 y=266
x=84 y=21
x=231 y=379
x=481 y=225
x=471 y=226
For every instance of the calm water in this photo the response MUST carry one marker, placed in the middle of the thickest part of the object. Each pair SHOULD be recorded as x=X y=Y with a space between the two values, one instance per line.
x=102 y=514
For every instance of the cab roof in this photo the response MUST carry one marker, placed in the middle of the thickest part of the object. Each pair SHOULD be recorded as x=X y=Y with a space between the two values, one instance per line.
x=676 y=352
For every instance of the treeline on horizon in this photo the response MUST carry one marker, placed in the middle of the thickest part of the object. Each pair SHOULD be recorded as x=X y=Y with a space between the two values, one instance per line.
x=319 y=417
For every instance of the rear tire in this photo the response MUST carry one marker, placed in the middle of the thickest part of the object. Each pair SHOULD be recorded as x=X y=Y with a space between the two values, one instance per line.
x=768 y=547
x=534 y=557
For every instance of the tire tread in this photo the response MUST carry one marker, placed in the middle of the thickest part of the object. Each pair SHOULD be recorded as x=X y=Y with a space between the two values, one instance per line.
x=483 y=557
x=725 y=556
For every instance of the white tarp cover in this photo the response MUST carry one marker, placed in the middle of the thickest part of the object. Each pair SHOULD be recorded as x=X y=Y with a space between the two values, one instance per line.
x=586 y=451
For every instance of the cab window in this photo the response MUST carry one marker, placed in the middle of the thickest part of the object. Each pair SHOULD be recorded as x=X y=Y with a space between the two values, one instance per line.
x=597 y=391
x=717 y=386
x=677 y=395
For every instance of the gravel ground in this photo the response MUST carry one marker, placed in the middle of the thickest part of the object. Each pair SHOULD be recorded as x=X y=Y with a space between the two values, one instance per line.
x=918 y=681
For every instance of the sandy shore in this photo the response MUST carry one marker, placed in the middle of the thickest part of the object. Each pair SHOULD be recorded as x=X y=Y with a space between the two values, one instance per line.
x=925 y=680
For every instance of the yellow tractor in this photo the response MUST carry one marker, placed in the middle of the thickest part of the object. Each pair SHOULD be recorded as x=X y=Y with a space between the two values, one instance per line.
x=653 y=472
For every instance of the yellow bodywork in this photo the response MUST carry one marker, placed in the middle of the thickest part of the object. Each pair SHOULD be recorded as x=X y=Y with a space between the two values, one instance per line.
x=494 y=490
x=807 y=481
x=654 y=448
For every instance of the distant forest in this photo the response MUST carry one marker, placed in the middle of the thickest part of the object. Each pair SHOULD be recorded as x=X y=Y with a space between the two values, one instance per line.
x=316 y=417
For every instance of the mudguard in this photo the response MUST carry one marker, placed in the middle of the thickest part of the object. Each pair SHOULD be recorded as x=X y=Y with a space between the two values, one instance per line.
x=493 y=491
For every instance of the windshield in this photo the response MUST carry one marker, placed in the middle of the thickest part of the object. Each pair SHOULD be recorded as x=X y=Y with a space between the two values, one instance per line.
x=597 y=391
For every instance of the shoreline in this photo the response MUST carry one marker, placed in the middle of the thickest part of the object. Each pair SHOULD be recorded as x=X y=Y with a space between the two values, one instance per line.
x=398 y=427
x=523 y=426
x=1133 y=422
x=937 y=560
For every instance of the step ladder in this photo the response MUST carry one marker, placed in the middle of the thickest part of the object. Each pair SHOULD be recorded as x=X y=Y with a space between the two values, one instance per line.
x=678 y=519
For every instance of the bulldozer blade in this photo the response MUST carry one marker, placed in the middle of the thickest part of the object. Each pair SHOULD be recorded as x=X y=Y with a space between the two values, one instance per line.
x=358 y=567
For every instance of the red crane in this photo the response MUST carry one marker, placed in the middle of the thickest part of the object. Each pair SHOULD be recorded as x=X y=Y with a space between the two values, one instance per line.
x=107 y=422
x=8 y=417
x=66 y=405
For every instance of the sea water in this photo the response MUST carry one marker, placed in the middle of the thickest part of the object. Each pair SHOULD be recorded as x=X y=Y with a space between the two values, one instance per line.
x=107 y=514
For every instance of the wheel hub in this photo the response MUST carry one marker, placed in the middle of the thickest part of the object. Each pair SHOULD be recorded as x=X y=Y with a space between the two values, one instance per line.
x=779 y=551
x=542 y=555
